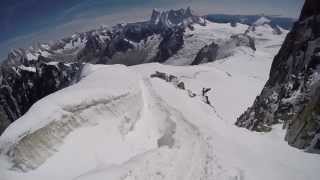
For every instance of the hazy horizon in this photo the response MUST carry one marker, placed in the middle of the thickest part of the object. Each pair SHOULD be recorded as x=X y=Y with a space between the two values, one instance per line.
x=46 y=20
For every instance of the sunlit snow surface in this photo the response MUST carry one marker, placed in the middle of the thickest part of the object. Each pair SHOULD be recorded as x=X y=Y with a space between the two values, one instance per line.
x=117 y=123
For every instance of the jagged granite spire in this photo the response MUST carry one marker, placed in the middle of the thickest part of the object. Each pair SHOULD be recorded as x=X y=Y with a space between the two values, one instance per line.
x=172 y=18
x=310 y=8
x=292 y=94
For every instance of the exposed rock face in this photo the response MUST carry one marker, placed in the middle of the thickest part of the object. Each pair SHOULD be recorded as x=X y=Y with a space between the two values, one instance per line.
x=206 y=54
x=169 y=78
x=291 y=95
x=22 y=85
x=310 y=8
x=171 y=44
x=243 y=40
x=214 y=51
x=172 y=18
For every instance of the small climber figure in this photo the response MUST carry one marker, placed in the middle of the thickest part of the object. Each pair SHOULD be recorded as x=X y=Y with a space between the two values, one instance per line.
x=205 y=96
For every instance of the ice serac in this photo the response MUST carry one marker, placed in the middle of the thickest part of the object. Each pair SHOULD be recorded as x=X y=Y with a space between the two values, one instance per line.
x=292 y=94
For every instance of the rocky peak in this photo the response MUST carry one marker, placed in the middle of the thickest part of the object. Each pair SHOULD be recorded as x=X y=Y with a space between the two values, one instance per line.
x=172 y=18
x=291 y=95
x=266 y=23
x=310 y=8
x=155 y=16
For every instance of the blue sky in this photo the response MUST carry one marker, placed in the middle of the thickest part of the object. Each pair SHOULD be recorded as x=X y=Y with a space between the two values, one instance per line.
x=27 y=21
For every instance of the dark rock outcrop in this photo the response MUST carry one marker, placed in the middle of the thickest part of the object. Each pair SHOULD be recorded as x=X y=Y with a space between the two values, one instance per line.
x=172 y=42
x=292 y=94
x=169 y=78
x=208 y=53
x=243 y=40
x=173 y=18
x=212 y=52
x=310 y=8
x=22 y=85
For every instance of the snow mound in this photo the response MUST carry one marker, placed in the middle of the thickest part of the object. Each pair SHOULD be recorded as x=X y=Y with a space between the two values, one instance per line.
x=261 y=21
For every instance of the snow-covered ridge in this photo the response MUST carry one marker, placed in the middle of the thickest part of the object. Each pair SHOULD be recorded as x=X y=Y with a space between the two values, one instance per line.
x=134 y=118
x=119 y=123
x=65 y=114
x=127 y=44
x=138 y=128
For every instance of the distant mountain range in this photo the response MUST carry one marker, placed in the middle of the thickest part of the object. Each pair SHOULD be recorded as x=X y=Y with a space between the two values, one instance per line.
x=28 y=75
x=133 y=102
x=283 y=22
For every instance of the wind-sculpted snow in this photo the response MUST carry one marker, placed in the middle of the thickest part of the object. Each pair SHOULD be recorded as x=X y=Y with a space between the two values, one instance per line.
x=35 y=148
x=31 y=143
x=130 y=112
x=167 y=160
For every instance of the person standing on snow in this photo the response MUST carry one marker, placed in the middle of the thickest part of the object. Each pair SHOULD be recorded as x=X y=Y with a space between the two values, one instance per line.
x=205 y=96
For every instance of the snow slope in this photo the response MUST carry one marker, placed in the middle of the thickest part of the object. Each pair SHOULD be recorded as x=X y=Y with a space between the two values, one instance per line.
x=118 y=123
x=201 y=36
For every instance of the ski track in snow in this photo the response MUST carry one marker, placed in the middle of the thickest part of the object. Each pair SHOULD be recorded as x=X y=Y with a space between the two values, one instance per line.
x=196 y=148
x=212 y=168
